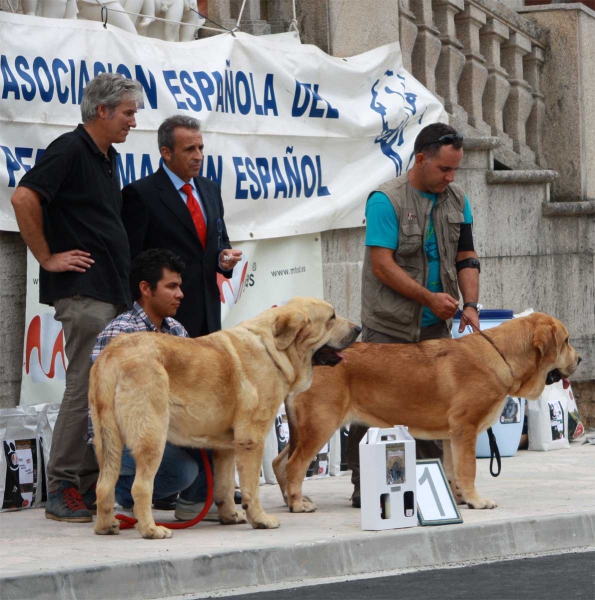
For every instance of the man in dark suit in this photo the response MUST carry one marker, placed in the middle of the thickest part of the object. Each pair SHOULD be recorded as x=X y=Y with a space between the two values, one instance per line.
x=176 y=209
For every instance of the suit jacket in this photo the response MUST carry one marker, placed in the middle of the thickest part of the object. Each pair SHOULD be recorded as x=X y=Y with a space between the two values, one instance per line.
x=155 y=216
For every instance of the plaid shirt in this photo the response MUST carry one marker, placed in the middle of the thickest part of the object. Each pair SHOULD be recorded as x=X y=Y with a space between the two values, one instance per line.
x=131 y=321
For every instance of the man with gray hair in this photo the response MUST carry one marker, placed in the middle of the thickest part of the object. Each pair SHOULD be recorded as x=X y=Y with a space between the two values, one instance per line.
x=176 y=209
x=68 y=207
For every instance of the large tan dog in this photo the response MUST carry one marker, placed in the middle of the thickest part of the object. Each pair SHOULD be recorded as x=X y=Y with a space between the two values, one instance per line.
x=220 y=391
x=449 y=390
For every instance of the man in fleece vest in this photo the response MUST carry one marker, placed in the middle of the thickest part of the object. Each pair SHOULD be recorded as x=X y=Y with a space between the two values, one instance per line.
x=419 y=253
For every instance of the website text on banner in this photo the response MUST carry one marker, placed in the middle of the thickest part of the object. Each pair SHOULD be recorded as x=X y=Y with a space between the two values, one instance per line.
x=296 y=138
x=271 y=272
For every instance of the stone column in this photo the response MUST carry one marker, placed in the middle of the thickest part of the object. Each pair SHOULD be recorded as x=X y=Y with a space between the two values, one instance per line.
x=535 y=122
x=407 y=33
x=475 y=74
x=426 y=50
x=497 y=87
x=13 y=293
x=280 y=15
x=452 y=60
x=220 y=12
x=520 y=100
x=251 y=18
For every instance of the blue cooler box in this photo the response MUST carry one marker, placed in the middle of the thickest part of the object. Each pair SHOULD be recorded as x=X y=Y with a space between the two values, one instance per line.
x=509 y=426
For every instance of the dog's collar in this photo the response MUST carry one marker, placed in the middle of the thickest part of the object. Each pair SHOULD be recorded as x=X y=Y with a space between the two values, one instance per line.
x=483 y=335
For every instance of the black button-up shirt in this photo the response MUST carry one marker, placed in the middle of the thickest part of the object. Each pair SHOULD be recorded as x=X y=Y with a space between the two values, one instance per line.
x=81 y=211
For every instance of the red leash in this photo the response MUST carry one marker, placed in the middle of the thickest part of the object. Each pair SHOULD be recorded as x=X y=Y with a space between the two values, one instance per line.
x=127 y=522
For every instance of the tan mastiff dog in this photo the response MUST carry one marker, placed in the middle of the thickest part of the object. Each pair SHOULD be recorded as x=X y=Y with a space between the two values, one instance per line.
x=220 y=391
x=448 y=390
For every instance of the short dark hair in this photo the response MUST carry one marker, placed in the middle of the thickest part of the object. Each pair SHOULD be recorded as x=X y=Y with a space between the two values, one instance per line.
x=165 y=133
x=148 y=266
x=429 y=140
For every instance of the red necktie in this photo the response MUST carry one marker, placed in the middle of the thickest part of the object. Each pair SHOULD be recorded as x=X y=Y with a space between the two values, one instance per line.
x=196 y=213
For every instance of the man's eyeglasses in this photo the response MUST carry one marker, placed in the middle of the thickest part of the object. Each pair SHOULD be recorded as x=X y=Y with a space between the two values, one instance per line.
x=447 y=139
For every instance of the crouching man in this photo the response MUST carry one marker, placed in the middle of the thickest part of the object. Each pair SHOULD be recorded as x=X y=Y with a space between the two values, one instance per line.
x=155 y=281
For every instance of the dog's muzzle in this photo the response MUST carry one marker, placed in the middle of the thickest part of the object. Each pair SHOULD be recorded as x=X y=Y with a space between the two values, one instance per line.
x=554 y=376
x=327 y=357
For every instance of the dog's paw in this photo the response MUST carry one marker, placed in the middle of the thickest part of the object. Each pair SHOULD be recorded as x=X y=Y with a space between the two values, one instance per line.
x=237 y=517
x=305 y=506
x=113 y=529
x=157 y=532
x=266 y=522
x=481 y=503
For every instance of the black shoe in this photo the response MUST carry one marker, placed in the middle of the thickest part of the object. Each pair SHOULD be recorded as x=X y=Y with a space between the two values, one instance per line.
x=237 y=497
x=90 y=499
x=356 y=499
x=168 y=503
x=67 y=505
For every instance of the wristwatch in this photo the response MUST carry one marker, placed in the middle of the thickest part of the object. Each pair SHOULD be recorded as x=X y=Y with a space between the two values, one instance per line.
x=474 y=305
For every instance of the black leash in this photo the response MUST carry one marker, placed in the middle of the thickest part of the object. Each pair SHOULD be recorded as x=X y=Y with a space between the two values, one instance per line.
x=485 y=337
x=494 y=452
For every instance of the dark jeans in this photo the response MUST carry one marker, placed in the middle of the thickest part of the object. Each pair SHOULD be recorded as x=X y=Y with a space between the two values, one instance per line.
x=181 y=471
x=423 y=448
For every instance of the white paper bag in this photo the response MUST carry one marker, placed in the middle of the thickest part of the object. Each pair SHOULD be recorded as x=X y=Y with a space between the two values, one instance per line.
x=548 y=419
x=21 y=469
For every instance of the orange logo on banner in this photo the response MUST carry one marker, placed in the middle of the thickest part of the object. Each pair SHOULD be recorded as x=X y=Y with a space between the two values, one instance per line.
x=223 y=282
x=33 y=342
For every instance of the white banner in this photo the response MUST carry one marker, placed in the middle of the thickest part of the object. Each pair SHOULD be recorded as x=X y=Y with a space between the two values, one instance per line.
x=297 y=139
x=271 y=272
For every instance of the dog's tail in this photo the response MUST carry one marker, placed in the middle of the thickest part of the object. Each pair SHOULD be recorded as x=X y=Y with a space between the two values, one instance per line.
x=107 y=438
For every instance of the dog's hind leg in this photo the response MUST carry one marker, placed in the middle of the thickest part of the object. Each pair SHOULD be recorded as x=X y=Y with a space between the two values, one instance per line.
x=463 y=441
x=147 y=444
x=279 y=467
x=147 y=452
x=109 y=457
x=229 y=513
x=108 y=447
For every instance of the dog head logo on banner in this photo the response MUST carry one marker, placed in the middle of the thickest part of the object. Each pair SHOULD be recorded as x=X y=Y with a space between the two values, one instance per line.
x=396 y=106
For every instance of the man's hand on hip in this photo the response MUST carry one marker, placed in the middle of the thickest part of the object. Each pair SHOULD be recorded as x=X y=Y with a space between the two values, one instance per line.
x=444 y=306
x=229 y=258
x=73 y=260
x=470 y=317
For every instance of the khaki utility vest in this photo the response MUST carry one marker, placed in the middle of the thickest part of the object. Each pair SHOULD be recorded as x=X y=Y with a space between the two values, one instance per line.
x=385 y=310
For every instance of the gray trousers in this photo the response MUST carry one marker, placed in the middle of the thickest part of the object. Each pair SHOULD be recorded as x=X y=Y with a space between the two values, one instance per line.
x=423 y=448
x=72 y=459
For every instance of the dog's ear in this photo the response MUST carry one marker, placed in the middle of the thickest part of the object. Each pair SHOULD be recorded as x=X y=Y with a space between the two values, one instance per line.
x=545 y=340
x=287 y=326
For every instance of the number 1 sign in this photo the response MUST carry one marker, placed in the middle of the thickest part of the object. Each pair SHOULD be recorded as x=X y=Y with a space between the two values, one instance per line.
x=435 y=502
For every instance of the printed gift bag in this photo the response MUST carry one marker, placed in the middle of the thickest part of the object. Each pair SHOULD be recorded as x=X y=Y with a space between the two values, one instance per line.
x=26 y=439
x=20 y=458
x=278 y=438
x=548 y=419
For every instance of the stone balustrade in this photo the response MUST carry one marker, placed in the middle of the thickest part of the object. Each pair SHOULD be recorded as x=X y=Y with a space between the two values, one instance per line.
x=483 y=61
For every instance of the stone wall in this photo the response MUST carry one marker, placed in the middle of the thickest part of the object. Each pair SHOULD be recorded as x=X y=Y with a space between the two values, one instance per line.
x=584 y=393
x=569 y=78
x=13 y=272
